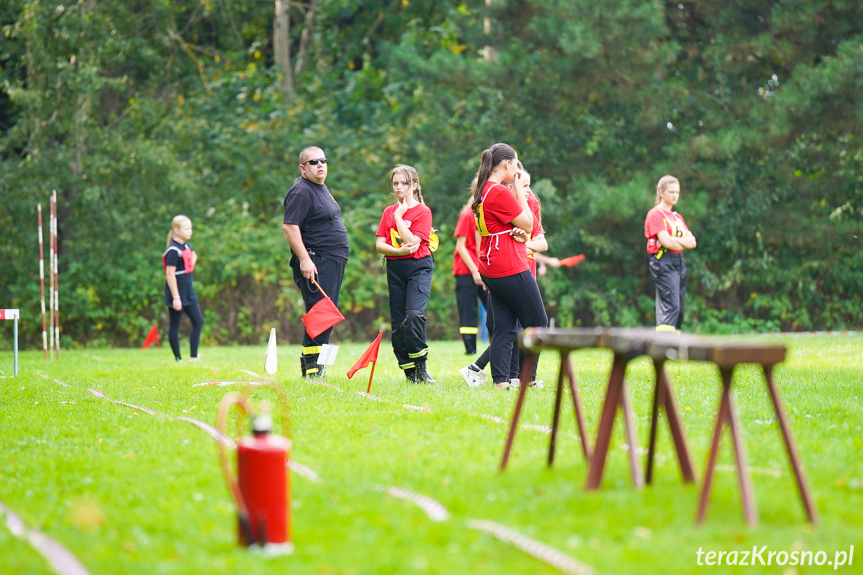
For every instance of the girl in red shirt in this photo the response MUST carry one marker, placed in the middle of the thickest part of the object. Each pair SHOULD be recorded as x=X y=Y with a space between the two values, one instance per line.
x=667 y=237
x=403 y=237
x=503 y=215
x=468 y=283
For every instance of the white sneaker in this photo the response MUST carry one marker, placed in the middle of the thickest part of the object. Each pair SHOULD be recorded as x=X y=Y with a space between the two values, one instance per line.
x=472 y=375
x=538 y=384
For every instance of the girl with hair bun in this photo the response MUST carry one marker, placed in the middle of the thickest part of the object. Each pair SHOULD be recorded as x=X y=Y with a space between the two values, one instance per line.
x=403 y=238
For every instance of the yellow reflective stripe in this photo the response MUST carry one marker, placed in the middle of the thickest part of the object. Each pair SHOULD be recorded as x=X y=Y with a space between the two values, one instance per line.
x=312 y=370
x=311 y=350
x=666 y=327
x=407 y=365
x=420 y=353
x=395 y=239
x=480 y=222
x=468 y=330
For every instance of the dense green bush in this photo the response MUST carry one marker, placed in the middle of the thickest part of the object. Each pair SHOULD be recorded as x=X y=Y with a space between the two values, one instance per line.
x=135 y=112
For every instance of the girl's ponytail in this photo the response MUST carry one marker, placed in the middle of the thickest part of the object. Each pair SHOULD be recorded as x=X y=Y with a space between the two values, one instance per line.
x=491 y=157
x=482 y=175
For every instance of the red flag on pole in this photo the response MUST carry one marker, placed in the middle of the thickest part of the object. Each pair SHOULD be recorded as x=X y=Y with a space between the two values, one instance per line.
x=152 y=337
x=322 y=316
x=368 y=356
x=571 y=260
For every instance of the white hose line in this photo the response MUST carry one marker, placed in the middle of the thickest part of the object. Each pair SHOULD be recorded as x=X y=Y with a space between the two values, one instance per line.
x=545 y=553
x=212 y=432
x=60 y=558
x=434 y=510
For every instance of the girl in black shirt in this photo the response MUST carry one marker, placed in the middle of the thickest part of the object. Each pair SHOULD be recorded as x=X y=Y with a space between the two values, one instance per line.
x=178 y=260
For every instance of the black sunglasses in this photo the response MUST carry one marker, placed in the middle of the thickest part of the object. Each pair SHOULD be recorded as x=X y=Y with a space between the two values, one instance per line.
x=316 y=162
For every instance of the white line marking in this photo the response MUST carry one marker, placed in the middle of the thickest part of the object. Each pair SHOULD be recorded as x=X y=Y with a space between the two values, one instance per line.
x=434 y=510
x=58 y=556
x=557 y=559
x=369 y=395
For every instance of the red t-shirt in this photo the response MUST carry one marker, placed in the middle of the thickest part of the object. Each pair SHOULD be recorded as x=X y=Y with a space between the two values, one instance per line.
x=537 y=230
x=418 y=220
x=658 y=220
x=466 y=227
x=499 y=255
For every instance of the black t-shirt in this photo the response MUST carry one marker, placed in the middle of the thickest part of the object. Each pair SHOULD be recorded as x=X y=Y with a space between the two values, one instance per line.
x=174 y=256
x=314 y=209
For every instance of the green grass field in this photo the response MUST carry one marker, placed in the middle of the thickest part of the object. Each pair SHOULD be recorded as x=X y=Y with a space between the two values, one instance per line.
x=130 y=492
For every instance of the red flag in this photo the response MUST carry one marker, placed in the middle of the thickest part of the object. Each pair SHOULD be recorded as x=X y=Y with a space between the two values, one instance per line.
x=571 y=260
x=322 y=317
x=368 y=356
x=152 y=337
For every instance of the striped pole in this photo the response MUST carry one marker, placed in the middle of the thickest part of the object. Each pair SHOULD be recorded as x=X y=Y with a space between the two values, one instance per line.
x=42 y=282
x=51 y=278
x=56 y=280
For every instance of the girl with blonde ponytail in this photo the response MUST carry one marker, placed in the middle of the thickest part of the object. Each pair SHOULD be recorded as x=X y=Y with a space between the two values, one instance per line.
x=178 y=261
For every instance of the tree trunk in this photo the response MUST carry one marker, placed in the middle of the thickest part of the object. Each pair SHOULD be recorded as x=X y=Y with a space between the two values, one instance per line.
x=282 y=45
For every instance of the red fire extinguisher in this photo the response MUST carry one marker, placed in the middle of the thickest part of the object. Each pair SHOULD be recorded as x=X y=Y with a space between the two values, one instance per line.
x=262 y=486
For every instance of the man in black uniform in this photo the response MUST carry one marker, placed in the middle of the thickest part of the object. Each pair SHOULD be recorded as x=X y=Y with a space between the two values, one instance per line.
x=319 y=244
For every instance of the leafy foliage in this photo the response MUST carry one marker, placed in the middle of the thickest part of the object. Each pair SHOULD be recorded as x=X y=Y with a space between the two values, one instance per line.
x=137 y=111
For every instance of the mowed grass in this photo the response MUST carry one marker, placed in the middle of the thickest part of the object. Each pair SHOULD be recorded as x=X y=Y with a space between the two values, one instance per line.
x=130 y=492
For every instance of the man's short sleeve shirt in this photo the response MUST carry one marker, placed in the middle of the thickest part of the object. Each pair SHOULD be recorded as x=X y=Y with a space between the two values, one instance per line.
x=314 y=210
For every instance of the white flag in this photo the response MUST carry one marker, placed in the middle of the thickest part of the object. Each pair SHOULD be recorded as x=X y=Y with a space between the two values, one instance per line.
x=328 y=354
x=271 y=363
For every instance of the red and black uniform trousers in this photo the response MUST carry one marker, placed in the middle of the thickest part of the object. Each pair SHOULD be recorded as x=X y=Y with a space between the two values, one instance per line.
x=669 y=274
x=513 y=300
x=331 y=272
x=467 y=296
x=409 y=281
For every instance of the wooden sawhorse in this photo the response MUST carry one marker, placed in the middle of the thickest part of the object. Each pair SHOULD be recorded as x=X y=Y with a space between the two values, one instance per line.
x=727 y=356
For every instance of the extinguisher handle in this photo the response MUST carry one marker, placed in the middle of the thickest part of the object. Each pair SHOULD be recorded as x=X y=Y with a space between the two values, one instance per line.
x=225 y=405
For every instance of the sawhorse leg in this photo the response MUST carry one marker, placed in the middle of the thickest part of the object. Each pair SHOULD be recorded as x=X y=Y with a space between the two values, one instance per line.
x=615 y=396
x=566 y=369
x=728 y=415
x=526 y=372
x=811 y=513
x=664 y=397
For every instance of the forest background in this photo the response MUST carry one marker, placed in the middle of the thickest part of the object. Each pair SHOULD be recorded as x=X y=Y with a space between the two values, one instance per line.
x=136 y=111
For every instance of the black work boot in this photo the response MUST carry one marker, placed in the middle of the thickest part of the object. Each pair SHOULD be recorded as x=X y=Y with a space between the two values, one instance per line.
x=469 y=343
x=310 y=367
x=411 y=375
x=423 y=376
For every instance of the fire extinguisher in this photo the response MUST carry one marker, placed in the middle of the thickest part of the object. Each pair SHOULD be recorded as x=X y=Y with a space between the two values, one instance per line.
x=261 y=488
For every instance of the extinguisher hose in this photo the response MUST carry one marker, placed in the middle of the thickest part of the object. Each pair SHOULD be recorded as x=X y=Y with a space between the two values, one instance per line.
x=225 y=405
